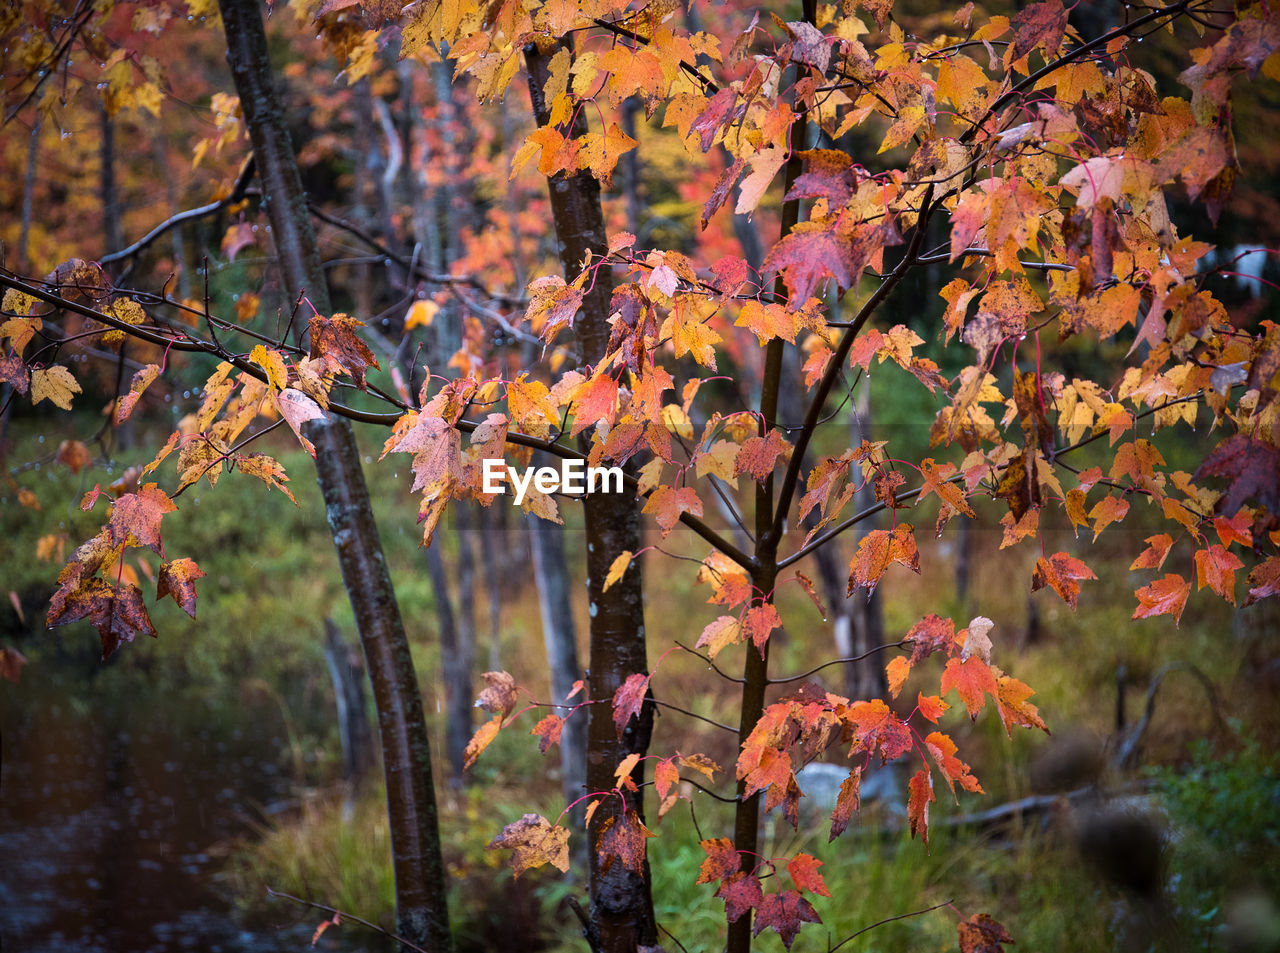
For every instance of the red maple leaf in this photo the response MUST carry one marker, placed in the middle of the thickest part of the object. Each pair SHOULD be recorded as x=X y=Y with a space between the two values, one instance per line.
x=784 y=913
x=666 y=503
x=803 y=869
x=981 y=934
x=758 y=622
x=931 y=634
x=1040 y=24
x=921 y=793
x=740 y=893
x=722 y=860
x=628 y=700
x=877 y=550
x=847 y=801
x=135 y=517
x=1216 y=568
x=178 y=579
x=1251 y=466
x=622 y=838
x=973 y=679
x=874 y=724
x=1063 y=573
x=1167 y=596
x=548 y=731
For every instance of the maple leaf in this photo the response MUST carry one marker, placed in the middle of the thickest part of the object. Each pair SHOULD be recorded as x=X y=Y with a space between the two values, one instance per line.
x=1063 y=573
x=135 y=517
x=720 y=112
x=178 y=579
x=848 y=800
x=628 y=700
x=1251 y=466
x=1040 y=24
x=74 y=455
x=667 y=503
x=499 y=694
x=730 y=583
x=142 y=379
x=55 y=384
x=803 y=869
x=622 y=838
x=718 y=634
x=722 y=860
x=297 y=408
x=1216 y=568
x=877 y=550
x=973 y=679
x=1167 y=596
x=784 y=913
x=548 y=730
x=334 y=341
x=931 y=707
x=480 y=740
x=1154 y=555
x=943 y=751
x=617 y=569
x=534 y=842
x=921 y=793
x=759 y=456
x=758 y=622
x=740 y=892
x=595 y=399
x=116 y=611
x=815 y=251
x=1011 y=700
x=1264 y=580
x=828 y=174
x=981 y=934
x=874 y=724
x=933 y=633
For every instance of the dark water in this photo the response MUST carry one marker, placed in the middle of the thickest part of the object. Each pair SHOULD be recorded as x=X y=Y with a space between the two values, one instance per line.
x=114 y=808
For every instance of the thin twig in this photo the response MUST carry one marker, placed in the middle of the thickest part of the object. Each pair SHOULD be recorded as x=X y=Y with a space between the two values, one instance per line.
x=342 y=914
x=880 y=923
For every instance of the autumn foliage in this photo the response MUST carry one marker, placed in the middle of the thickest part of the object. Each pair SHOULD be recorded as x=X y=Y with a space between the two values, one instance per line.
x=1046 y=172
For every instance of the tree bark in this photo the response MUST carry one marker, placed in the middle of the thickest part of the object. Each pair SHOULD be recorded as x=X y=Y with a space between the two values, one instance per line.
x=421 y=906
x=621 y=900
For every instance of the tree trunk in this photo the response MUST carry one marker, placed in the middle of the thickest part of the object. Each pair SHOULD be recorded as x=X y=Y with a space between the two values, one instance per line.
x=621 y=901
x=346 y=671
x=458 y=663
x=551 y=571
x=490 y=549
x=422 y=911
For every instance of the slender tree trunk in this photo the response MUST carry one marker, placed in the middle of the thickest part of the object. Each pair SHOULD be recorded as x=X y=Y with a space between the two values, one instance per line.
x=551 y=571
x=764 y=575
x=422 y=910
x=621 y=901
x=494 y=583
x=28 y=197
x=459 y=664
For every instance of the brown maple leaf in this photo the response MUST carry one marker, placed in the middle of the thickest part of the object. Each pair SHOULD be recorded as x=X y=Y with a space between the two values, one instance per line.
x=334 y=341
x=534 y=842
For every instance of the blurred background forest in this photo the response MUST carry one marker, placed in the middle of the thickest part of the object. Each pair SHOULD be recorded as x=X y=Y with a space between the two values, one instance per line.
x=148 y=802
